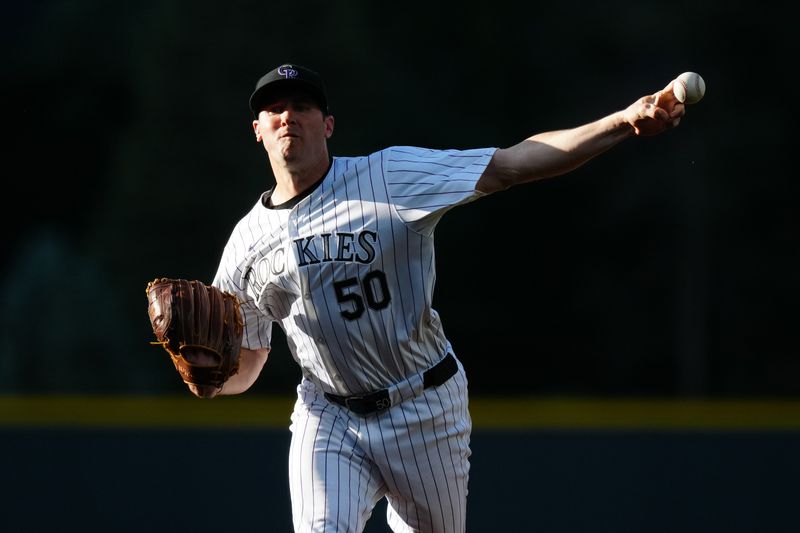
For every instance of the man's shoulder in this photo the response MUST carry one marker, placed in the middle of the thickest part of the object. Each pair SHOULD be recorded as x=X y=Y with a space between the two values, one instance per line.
x=385 y=154
x=408 y=149
x=424 y=153
x=408 y=158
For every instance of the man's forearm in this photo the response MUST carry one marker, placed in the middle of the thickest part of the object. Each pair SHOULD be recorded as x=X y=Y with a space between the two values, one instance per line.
x=553 y=153
x=556 y=152
x=576 y=146
x=251 y=362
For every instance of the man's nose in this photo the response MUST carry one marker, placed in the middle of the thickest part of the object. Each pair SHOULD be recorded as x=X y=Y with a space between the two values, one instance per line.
x=287 y=117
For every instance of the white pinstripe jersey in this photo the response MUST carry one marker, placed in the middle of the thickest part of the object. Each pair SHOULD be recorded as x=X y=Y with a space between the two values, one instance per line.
x=349 y=271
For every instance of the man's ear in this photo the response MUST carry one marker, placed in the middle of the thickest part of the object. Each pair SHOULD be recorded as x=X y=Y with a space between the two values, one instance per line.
x=257 y=130
x=328 y=126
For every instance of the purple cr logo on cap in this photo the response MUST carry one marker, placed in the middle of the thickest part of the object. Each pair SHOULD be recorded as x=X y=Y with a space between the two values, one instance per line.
x=287 y=71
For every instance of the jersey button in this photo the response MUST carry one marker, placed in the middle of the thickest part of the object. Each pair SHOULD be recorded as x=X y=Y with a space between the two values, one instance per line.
x=307 y=296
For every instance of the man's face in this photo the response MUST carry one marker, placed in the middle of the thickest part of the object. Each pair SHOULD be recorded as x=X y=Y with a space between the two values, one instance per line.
x=293 y=129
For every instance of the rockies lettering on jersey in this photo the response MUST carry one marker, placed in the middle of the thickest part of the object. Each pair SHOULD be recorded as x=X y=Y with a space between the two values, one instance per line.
x=352 y=247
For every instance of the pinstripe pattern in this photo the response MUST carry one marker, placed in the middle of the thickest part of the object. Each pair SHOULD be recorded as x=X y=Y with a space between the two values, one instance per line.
x=348 y=273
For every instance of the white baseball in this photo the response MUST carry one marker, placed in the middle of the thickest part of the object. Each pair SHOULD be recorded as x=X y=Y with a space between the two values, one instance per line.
x=689 y=88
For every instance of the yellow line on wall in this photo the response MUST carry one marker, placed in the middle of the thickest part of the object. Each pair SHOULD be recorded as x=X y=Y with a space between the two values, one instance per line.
x=636 y=414
x=260 y=411
x=182 y=411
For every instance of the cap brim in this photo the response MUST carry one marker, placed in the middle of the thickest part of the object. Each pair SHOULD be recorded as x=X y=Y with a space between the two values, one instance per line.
x=263 y=96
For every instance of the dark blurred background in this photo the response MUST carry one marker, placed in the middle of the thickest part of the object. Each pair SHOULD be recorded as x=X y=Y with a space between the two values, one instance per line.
x=666 y=267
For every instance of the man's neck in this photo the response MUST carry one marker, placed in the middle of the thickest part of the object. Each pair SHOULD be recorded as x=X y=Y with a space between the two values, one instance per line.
x=291 y=182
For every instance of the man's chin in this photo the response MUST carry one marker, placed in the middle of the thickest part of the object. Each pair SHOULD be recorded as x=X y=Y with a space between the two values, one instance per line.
x=290 y=153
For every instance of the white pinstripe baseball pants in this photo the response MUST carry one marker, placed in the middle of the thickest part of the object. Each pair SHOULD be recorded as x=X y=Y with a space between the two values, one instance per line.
x=415 y=453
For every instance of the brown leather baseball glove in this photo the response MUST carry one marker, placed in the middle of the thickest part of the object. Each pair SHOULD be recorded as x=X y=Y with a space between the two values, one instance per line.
x=200 y=327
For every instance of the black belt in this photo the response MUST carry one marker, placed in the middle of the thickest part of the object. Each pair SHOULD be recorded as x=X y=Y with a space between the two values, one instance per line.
x=379 y=400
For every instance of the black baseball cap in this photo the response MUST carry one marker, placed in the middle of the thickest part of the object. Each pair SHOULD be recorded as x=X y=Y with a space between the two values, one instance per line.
x=288 y=78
